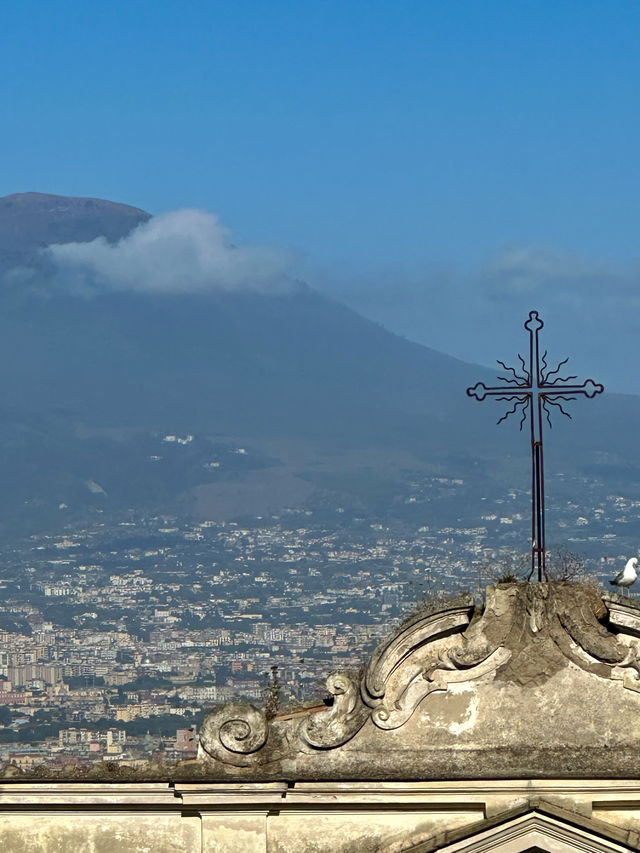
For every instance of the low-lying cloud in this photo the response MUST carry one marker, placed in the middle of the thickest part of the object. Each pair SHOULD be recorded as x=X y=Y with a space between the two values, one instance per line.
x=185 y=251
x=550 y=274
x=591 y=308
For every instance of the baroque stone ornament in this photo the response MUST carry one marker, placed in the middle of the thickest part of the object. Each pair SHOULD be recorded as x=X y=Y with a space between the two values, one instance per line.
x=233 y=731
x=345 y=717
x=450 y=679
x=398 y=678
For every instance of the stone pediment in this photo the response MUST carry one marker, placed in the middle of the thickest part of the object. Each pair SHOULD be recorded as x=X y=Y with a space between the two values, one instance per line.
x=534 y=827
x=542 y=680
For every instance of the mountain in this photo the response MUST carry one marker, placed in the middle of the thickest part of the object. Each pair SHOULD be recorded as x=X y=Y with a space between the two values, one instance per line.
x=292 y=364
x=30 y=221
x=322 y=398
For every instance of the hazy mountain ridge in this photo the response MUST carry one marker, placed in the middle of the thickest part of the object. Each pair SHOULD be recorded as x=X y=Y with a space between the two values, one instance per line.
x=295 y=360
x=286 y=370
x=30 y=221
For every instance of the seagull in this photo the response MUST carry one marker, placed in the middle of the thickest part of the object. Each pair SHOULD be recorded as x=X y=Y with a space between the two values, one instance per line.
x=627 y=576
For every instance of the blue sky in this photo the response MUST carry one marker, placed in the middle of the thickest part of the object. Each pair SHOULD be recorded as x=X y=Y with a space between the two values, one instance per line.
x=442 y=166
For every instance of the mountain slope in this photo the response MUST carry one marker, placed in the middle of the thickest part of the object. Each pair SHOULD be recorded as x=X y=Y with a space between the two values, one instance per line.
x=291 y=363
x=30 y=221
x=282 y=371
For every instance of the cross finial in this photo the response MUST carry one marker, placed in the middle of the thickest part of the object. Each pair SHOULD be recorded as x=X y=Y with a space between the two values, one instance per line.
x=534 y=323
x=533 y=389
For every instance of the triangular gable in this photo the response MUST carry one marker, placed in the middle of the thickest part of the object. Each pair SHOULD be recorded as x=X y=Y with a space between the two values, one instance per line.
x=535 y=827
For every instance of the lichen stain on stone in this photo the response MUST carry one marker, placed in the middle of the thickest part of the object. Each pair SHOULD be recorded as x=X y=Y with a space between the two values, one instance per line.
x=36 y=837
x=363 y=834
x=627 y=818
x=423 y=831
x=541 y=622
x=533 y=663
x=237 y=835
x=502 y=602
x=345 y=834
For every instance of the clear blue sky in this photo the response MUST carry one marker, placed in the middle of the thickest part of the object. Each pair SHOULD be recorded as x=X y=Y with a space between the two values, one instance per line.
x=433 y=163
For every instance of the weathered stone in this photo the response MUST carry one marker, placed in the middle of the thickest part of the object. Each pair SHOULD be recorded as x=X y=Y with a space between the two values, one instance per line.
x=535 y=683
x=321 y=817
x=511 y=727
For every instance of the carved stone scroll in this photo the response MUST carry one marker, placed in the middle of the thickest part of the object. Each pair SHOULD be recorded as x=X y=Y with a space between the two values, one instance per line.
x=233 y=731
x=622 y=615
x=416 y=633
x=393 y=713
x=344 y=718
x=523 y=637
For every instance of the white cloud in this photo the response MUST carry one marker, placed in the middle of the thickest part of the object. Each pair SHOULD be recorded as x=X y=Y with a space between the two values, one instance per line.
x=523 y=271
x=590 y=306
x=185 y=251
x=540 y=262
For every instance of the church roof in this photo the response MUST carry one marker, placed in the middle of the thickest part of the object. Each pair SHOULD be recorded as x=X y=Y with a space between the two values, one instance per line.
x=540 y=681
x=536 y=825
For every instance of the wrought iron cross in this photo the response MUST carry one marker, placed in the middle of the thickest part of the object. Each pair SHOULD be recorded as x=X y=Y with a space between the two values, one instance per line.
x=533 y=390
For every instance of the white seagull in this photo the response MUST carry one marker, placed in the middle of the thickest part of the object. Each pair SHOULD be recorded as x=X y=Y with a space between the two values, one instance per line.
x=627 y=576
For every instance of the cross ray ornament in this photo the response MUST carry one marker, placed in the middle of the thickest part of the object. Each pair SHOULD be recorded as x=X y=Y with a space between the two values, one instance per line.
x=534 y=390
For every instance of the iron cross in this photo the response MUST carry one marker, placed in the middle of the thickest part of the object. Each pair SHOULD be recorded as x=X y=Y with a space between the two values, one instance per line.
x=533 y=389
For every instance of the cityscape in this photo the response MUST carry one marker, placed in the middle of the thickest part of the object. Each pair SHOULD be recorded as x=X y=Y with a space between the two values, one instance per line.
x=118 y=635
x=271 y=579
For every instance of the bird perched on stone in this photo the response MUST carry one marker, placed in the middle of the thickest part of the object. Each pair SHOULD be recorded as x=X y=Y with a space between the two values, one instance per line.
x=627 y=576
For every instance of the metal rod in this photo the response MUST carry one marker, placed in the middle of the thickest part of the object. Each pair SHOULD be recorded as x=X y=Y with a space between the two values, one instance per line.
x=531 y=391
